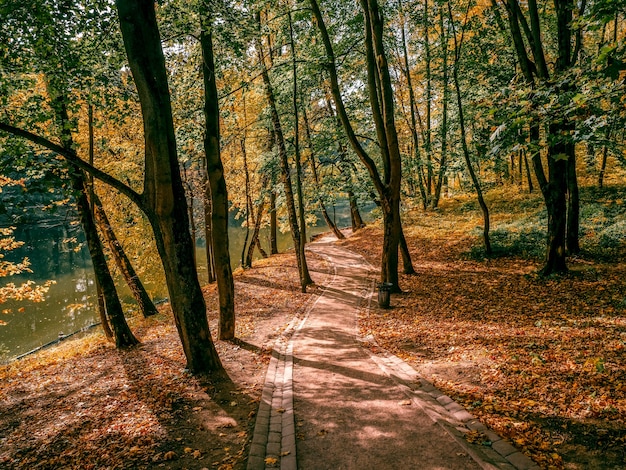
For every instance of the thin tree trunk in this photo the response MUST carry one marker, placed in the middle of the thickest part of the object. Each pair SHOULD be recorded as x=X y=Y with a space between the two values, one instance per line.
x=407 y=264
x=285 y=169
x=217 y=185
x=331 y=225
x=605 y=154
x=208 y=231
x=528 y=176
x=306 y=276
x=428 y=145
x=355 y=214
x=573 y=204
x=121 y=332
x=466 y=155
x=102 y=311
x=414 y=116
x=100 y=305
x=254 y=241
x=444 y=119
x=123 y=335
x=146 y=306
x=244 y=263
x=273 y=224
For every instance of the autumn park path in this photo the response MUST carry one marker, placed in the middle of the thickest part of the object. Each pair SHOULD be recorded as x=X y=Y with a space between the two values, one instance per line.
x=336 y=401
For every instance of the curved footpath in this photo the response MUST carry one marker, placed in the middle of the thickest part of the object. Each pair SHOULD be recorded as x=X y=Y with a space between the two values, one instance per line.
x=331 y=403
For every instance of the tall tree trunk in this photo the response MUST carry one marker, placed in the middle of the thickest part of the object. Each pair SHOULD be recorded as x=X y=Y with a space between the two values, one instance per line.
x=306 y=276
x=387 y=187
x=414 y=116
x=121 y=332
x=455 y=73
x=554 y=187
x=407 y=263
x=331 y=225
x=217 y=184
x=101 y=306
x=123 y=335
x=428 y=143
x=164 y=196
x=102 y=311
x=284 y=161
x=444 y=112
x=355 y=214
x=528 y=176
x=273 y=224
x=208 y=230
x=248 y=199
x=573 y=204
x=146 y=306
x=254 y=241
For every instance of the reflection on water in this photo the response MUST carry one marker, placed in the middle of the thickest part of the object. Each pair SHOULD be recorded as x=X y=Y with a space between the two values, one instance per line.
x=58 y=254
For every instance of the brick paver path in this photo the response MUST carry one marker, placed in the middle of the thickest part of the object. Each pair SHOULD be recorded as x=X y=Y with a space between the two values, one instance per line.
x=329 y=403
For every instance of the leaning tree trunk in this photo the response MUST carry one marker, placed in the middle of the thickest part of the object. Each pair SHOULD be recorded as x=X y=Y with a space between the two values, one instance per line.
x=114 y=312
x=306 y=276
x=208 y=233
x=285 y=169
x=573 y=204
x=138 y=291
x=254 y=241
x=355 y=214
x=273 y=224
x=123 y=335
x=331 y=225
x=164 y=196
x=106 y=327
x=466 y=155
x=219 y=194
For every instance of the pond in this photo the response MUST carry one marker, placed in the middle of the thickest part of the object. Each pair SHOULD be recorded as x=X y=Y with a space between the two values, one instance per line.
x=70 y=303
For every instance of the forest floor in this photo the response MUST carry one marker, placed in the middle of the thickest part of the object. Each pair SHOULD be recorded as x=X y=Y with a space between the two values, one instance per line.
x=541 y=361
x=85 y=405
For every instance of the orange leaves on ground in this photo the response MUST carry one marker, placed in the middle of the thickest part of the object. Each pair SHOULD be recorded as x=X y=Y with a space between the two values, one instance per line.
x=543 y=362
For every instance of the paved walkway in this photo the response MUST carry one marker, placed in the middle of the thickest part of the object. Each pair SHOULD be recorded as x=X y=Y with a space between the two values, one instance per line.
x=330 y=403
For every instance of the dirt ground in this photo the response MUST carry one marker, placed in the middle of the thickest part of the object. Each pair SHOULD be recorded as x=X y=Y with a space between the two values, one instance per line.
x=85 y=405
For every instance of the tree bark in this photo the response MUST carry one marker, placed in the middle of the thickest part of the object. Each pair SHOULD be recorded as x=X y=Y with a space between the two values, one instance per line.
x=444 y=116
x=217 y=185
x=355 y=214
x=122 y=334
x=306 y=276
x=273 y=224
x=138 y=291
x=254 y=241
x=285 y=168
x=479 y=193
x=164 y=195
x=331 y=225
x=388 y=187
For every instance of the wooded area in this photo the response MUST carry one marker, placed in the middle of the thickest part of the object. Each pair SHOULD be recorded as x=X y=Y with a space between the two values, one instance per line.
x=153 y=124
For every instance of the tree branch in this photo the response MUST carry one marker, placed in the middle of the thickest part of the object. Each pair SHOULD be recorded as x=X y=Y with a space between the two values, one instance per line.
x=70 y=156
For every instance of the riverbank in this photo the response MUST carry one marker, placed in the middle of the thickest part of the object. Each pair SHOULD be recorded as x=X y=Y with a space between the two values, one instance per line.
x=83 y=404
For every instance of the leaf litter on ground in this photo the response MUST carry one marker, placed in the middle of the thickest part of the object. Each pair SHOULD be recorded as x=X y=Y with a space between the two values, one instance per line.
x=84 y=405
x=540 y=361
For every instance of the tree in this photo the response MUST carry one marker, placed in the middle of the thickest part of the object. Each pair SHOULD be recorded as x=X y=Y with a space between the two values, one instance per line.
x=279 y=139
x=380 y=93
x=217 y=185
x=561 y=179
x=163 y=199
